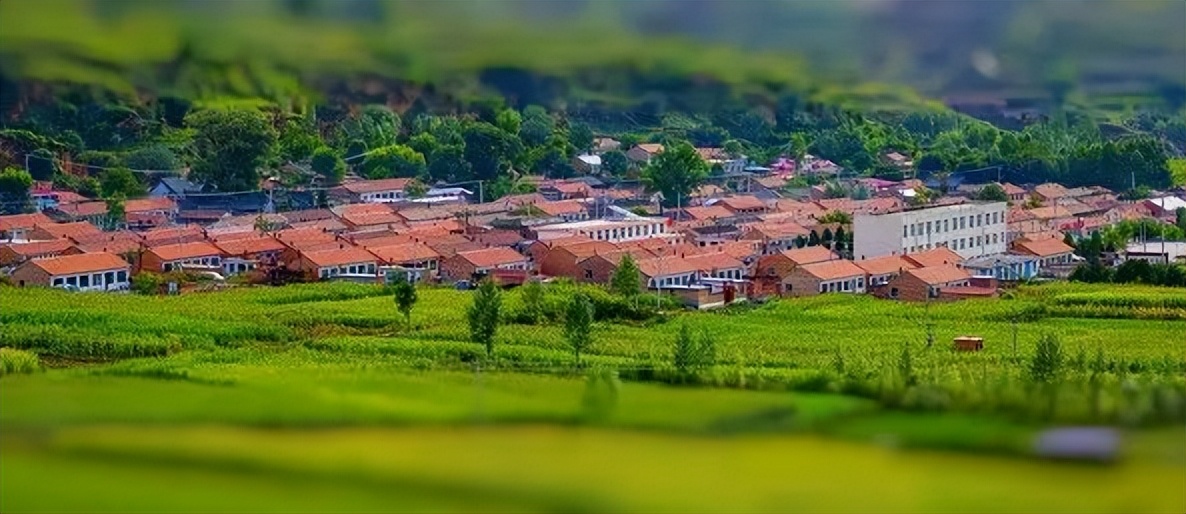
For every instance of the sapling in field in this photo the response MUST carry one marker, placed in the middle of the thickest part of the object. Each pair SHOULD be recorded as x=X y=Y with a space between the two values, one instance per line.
x=578 y=324
x=483 y=315
x=405 y=298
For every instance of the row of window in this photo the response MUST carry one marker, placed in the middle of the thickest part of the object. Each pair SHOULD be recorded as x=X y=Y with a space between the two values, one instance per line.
x=94 y=280
x=631 y=232
x=957 y=223
x=389 y=195
x=962 y=243
x=202 y=261
x=843 y=286
x=352 y=269
x=729 y=273
x=681 y=280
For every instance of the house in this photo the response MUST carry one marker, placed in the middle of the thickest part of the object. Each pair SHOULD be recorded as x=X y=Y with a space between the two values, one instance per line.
x=16 y=227
x=935 y=257
x=563 y=260
x=1014 y=193
x=94 y=212
x=969 y=229
x=50 y=231
x=740 y=204
x=702 y=215
x=163 y=207
x=15 y=253
x=567 y=210
x=588 y=164
x=1050 y=252
x=120 y=242
x=375 y=214
x=1166 y=207
x=714 y=264
x=1049 y=192
x=712 y=235
x=643 y=153
x=838 y=276
x=771 y=271
x=605 y=144
x=880 y=270
x=243 y=254
x=898 y=160
x=418 y=260
x=926 y=283
x=198 y=255
x=173 y=235
x=344 y=261
x=565 y=190
x=600 y=268
x=668 y=272
x=472 y=264
x=612 y=230
x=730 y=165
x=1157 y=252
x=773 y=236
x=374 y=191
x=86 y=272
x=1003 y=268
x=174 y=187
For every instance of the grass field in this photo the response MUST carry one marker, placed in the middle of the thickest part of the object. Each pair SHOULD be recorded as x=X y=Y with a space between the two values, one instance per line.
x=317 y=398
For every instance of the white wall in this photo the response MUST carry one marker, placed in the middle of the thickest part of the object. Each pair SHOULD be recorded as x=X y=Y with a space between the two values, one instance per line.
x=971 y=230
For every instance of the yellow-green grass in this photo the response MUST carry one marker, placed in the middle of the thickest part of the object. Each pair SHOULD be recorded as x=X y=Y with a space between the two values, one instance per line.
x=545 y=468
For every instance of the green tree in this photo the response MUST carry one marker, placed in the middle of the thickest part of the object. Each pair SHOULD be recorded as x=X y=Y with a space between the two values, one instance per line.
x=154 y=157
x=614 y=163
x=327 y=163
x=836 y=216
x=230 y=145
x=509 y=121
x=298 y=139
x=906 y=366
x=537 y=126
x=489 y=150
x=122 y=181
x=992 y=193
x=533 y=301
x=580 y=136
x=675 y=173
x=116 y=214
x=424 y=143
x=693 y=354
x=627 y=279
x=42 y=164
x=448 y=163
x=416 y=189
x=483 y=315
x=393 y=161
x=376 y=126
x=405 y=298
x=14 y=191
x=1180 y=218
x=1047 y=359
x=578 y=324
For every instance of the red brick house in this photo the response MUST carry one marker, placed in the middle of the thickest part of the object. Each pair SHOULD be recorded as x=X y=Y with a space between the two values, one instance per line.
x=943 y=282
x=880 y=270
x=345 y=261
x=199 y=255
x=837 y=276
x=770 y=272
x=1050 y=251
x=742 y=204
x=468 y=265
x=243 y=254
x=414 y=257
x=17 y=226
x=17 y=253
x=86 y=272
x=934 y=257
x=561 y=261
x=50 y=231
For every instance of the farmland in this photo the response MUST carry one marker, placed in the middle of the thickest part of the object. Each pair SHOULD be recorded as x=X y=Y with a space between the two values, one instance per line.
x=263 y=393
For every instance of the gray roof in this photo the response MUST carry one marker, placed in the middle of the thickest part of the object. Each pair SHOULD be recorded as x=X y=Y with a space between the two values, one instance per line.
x=180 y=186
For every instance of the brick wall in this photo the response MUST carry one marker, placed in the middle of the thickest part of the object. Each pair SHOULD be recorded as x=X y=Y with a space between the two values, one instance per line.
x=559 y=262
x=799 y=283
x=457 y=268
x=595 y=270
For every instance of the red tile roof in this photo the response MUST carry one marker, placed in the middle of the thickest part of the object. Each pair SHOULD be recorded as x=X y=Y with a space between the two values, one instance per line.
x=741 y=202
x=38 y=248
x=707 y=213
x=1043 y=247
x=561 y=207
x=938 y=275
x=373 y=186
x=174 y=235
x=78 y=228
x=934 y=257
x=159 y=203
x=776 y=230
x=83 y=209
x=831 y=270
x=651 y=148
x=175 y=252
x=810 y=254
x=80 y=263
x=408 y=252
x=668 y=265
x=885 y=265
x=710 y=261
x=249 y=245
x=492 y=257
x=339 y=256
x=24 y=221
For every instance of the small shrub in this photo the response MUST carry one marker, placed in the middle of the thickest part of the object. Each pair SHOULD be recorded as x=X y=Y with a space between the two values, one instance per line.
x=1047 y=360
x=14 y=361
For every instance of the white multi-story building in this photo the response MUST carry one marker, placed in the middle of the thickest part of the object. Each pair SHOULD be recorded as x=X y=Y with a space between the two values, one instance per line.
x=614 y=231
x=969 y=229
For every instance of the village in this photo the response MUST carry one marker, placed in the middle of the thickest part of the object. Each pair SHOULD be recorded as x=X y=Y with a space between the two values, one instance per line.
x=742 y=235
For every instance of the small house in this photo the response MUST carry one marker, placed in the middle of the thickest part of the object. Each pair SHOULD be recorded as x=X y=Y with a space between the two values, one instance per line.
x=84 y=272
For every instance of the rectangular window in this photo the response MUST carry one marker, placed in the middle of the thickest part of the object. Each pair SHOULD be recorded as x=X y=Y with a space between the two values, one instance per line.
x=58 y=282
x=904 y=231
x=84 y=281
x=72 y=281
x=109 y=278
x=945 y=225
x=962 y=221
x=823 y=288
x=928 y=227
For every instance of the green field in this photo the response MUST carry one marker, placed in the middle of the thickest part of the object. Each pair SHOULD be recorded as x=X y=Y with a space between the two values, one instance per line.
x=318 y=398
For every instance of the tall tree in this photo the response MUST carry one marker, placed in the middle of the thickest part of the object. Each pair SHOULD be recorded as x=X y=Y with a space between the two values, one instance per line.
x=327 y=163
x=992 y=193
x=154 y=157
x=627 y=279
x=230 y=145
x=675 y=173
x=405 y=298
x=448 y=163
x=42 y=164
x=537 y=126
x=578 y=324
x=298 y=138
x=509 y=121
x=116 y=213
x=122 y=181
x=489 y=149
x=614 y=163
x=580 y=136
x=483 y=315
x=14 y=191
x=376 y=126
x=393 y=161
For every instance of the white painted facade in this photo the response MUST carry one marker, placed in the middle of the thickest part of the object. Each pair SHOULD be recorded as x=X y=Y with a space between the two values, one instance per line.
x=112 y=280
x=614 y=231
x=969 y=229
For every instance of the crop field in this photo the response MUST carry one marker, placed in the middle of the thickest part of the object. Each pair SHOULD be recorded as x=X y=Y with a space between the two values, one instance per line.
x=320 y=397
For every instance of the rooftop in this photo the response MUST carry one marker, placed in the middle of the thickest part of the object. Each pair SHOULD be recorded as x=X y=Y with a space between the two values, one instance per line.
x=934 y=257
x=938 y=275
x=832 y=270
x=344 y=254
x=810 y=254
x=15 y=221
x=491 y=257
x=1043 y=247
x=175 y=252
x=373 y=186
x=80 y=263
x=885 y=265
x=407 y=252
x=69 y=230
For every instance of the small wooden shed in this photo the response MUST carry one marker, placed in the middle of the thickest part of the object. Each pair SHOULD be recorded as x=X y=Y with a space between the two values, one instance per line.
x=968 y=344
